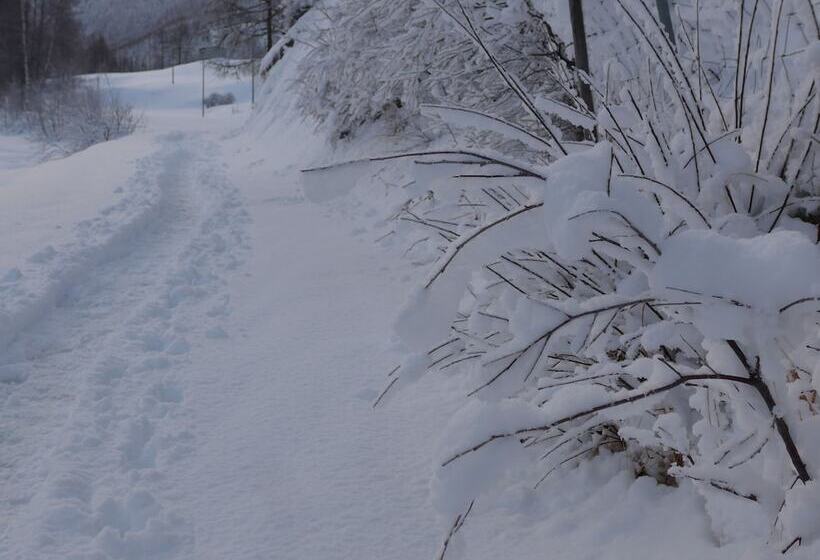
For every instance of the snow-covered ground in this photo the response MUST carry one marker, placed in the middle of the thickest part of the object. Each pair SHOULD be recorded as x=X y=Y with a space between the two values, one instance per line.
x=189 y=350
x=17 y=151
x=161 y=100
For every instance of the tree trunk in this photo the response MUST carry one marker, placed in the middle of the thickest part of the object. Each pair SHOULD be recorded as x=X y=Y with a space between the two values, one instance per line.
x=579 y=40
x=37 y=36
x=52 y=38
x=162 y=48
x=269 y=24
x=666 y=18
x=24 y=44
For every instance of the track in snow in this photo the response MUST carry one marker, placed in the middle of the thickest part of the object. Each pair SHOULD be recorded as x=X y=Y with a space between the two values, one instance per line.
x=93 y=413
x=202 y=390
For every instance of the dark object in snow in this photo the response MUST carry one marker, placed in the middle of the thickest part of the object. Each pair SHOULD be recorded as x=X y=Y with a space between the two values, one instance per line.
x=216 y=99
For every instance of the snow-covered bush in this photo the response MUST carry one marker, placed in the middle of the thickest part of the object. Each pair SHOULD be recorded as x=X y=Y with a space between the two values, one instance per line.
x=670 y=308
x=70 y=115
x=380 y=59
x=216 y=99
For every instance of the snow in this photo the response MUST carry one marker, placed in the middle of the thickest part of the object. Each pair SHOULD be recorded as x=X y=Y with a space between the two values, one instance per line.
x=17 y=151
x=166 y=105
x=53 y=230
x=194 y=332
x=763 y=274
x=200 y=384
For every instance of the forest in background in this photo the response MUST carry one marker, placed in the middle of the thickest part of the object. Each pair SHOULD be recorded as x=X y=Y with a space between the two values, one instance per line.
x=47 y=45
x=44 y=39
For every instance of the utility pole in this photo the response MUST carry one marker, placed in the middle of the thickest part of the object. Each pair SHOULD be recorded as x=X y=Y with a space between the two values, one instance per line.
x=206 y=54
x=579 y=41
x=253 y=74
x=665 y=15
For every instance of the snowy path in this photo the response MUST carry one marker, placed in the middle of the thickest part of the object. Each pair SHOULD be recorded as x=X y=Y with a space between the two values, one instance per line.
x=314 y=471
x=199 y=386
x=50 y=356
x=91 y=414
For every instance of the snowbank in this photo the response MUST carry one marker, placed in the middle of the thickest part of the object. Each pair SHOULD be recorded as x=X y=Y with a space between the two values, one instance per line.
x=58 y=218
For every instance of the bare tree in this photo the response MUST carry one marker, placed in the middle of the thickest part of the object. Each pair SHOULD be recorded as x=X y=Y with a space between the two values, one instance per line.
x=39 y=39
x=241 y=22
x=24 y=46
x=180 y=38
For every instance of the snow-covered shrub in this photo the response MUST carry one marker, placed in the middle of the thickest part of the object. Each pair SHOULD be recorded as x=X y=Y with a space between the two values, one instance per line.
x=380 y=59
x=215 y=99
x=70 y=115
x=669 y=309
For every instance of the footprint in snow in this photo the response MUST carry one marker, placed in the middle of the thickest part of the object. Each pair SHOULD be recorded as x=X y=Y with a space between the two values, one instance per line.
x=167 y=392
x=44 y=255
x=13 y=374
x=178 y=346
x=216 y=333
x=12 y=275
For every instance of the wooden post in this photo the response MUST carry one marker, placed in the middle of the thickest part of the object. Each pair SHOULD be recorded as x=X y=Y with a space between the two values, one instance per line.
x=253 y=74
x=579 y=40
x=203 y=88
x=172 y=75
x=665 y=15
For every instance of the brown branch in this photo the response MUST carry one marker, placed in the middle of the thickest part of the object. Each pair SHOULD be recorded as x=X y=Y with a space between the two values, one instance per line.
x=490 y=117
x=457 y=525
x=537 y=275
x=757 y=381
x=626 y=220
x=544 y=338
x=463 y=240
x=769 y=88
x=491 y=159
x=799 y=302
x=604 y=406
x=384 y=392
x=674 y=192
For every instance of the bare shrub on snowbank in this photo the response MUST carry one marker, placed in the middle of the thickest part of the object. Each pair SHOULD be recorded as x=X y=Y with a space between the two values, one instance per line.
x=69 y=115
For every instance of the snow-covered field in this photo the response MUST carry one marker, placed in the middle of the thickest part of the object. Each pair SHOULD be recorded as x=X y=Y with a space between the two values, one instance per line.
x=190 y=345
